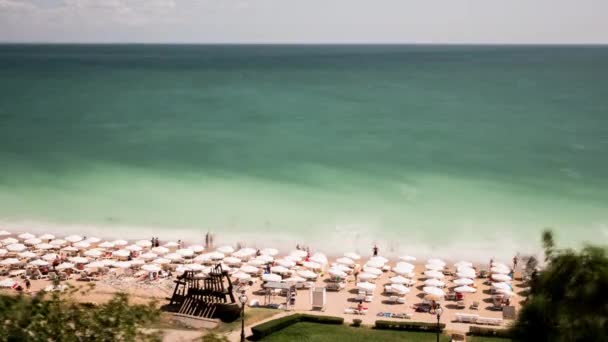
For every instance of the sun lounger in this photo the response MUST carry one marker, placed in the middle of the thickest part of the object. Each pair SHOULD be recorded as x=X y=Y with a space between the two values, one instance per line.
x=396 y=300
x=466 y=318
x=369 y=299
x=489 y=321
x=474 y=306
x=402 y=315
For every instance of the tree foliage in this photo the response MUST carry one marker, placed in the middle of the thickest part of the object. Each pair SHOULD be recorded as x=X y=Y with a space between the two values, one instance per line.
x=568 y=299
x=59 y=318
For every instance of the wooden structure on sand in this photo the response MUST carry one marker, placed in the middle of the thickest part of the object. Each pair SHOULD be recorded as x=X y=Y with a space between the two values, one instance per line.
x=209 y=297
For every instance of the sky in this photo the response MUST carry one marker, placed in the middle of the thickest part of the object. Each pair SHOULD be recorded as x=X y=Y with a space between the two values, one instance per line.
x=306 y=21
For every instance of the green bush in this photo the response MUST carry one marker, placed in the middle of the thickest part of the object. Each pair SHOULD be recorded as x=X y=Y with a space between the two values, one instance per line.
x=409 y=326
x=357 y=322
x=267 y=328
x=487 y=332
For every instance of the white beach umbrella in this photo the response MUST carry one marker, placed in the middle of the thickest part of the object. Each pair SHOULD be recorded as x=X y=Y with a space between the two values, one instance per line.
x=319 y=258
x=499 y=264
x=122 y=264
x=82 y=244
x=434 y=267
x=337 y=273
x=466 y=274
x=174 y=257
x=197 y=248
x=279 y=269
x=501 y=277
x=434 y=282
x=372 y=270
x=133 y=248
x=366 y=276
x=39 y=263
x=285 y=263
x=365 y=286
x=161 y=261
x=7 y=283
x=137 y=262
x=307 y=274
x=249 y=269
x=46 y=237
x=27 y=255
x=403 y=271
x=160 y=250
x=50 y=256
x=241 y=276
x=96 y=264
x=407 y=258
x=58 y=242
x=271 y=277
x=436 y=261
x=434 y=274
x=245 y=252
x=400 y=289
x=32 y=241
x=225 y=249
x=501 y=285
x=73 y=238
x=216 y=255
x=26 y=236
x=69 y=249
x=93 y=253
x=79 y=260
x=92 y=240
x=232 y=261
x=118 y=243
x=185 y=252
x=463 y=264
x=293 y=258
x=507 y=293
x=9 y=261
x=107 y=244
x=144 y=243
x=16 y=247
x=151 y=268
x=9 y=241
x=203 y=258
x=398 y=280
x=299 y=253
x=294 y=279
x=107 y=262
x=3 y=251
x=265 y=258
x=4 y=233
x=65 y=265
x=353 y=256
x=500 y=270
x=44 y=246
x=463 y=281
x=256 y=262
x=465 y=289
x=196 y=267
x=432 y=290
x=311 y=265
x=148 y=256
x=375 y=263
x=171 y=244
x=403 y=264
x=345 y=261
x=269 y=251
x=379 y=259
x=121 y=253
x=341 y=267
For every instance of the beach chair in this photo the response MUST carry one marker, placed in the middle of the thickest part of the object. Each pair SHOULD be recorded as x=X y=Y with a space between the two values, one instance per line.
x=369 y=299
x=460 y=304
x=474 y=305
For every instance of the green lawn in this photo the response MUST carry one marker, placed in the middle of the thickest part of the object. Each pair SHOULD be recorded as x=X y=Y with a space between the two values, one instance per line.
x=252 y=316
x=314 y=332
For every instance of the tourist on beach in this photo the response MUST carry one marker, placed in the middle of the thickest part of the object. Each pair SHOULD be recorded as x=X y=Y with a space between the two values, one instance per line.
x=375 y=250
x=298 y=247
x=28 y=284
x=356 y=273
x=514 y=262
x=179 y=244
x=56 y=262
x=152 y=242
x=258 y=252
x=157 y=244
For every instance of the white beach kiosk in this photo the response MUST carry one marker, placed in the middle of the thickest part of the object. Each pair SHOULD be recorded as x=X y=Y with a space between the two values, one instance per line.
x=318 y=298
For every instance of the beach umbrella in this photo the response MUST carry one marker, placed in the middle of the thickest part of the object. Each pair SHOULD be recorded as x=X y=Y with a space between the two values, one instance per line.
x=501 y=286
x=319 y=258
x=122 y=264
x=245 y=252
x=9 y=241
x=241 y=276
x=434 y=274
x=465 y=289
x=366 y=276
x=216 y=255
x=174 y=257
x=185 y=252
x=65 y=265
x=307 y=274
x=505 y=292
x=197 y=248
x=434 y=282
x=372 y=270
x=311 y=265
x=500 y=270
x=501 y=277
x=73 y=238
x=4 y=233
x=293 y=258
x=353 y=256
x=32 y=241
x=436 y=261
x=120 y=243
x=365 y=286
x=375 y=263
x=27 y=255
x=498 y=264
x=341 y=267
x=50 y=256
x=271 y=277
x=46 y=237
x=171 y=244
x=249 y=269
x=148 y=256
x=256 y=262
x=96 y=264
x=3 y=251
x=265 y=258
x=285 y=263
x=70 y=249
x=121 y=253
x=16 y=247
x=160 y=250
x=463 y=281
x=433 y=267
x=337 y=273
x=26 y=236
x=400 y=289
x=403 y=272
x=402 y=264
x=161 y=261
x=379 y=259
x=107 y=244
x=269 y=251
x=137 y=262
x=44 y=246
x=432 y=290
x=82 y=244
x=279 y=269
x=407 y=258
x=79 y=260
x=39 y=263
x=58 y=242
x=225 y=249
x=463 y=264
x=144 y=243
x=92 y=240
x=294 y=279
x=345 y=261
x=466 y=274
x=151 y=268
x=9 y=261
x=398 y=280
x=204 y=258
x=7 y=283
x=196 y=267
x=232 y=260
x=93 y=253
x=133 y=248
x=299 y=253
x=107 y=262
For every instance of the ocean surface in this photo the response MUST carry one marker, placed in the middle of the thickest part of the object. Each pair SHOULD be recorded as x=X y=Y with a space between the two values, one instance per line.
x=456 y=151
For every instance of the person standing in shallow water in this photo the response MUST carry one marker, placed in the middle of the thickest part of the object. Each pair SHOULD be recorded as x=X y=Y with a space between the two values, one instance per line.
x=375 y=249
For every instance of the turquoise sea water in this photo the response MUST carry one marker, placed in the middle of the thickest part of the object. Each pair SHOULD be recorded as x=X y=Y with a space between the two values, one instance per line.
x=423 y=149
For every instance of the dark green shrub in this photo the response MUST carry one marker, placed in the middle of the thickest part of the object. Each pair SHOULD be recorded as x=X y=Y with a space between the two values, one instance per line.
x=409 y=326
x=487 y=332
x=357 y=322
x=262 y=330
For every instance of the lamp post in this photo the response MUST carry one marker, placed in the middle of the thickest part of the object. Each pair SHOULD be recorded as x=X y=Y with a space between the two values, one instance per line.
x=243 y=300
x=439 y=311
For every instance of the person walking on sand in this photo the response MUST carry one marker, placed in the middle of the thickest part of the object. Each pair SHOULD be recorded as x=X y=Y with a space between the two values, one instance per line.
x=375 y=250
x=28 y=284
x=356 y=273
